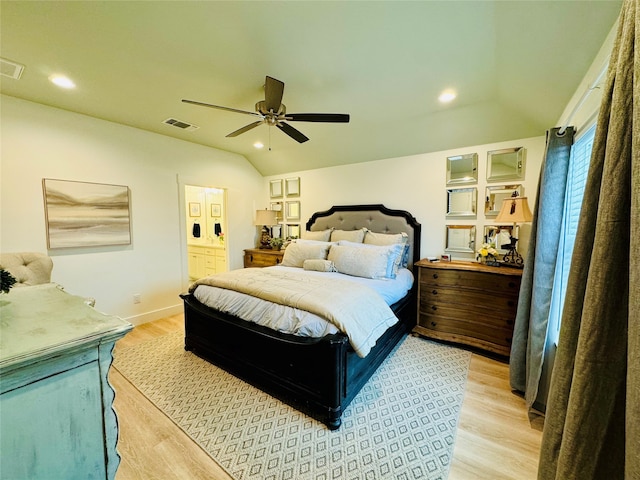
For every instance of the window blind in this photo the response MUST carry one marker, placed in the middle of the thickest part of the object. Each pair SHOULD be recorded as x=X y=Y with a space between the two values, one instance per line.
x=576 y=182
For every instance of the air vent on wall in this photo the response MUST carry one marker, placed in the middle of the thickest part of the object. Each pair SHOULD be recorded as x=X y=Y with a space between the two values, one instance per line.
x=181 y=125
x=10 y=69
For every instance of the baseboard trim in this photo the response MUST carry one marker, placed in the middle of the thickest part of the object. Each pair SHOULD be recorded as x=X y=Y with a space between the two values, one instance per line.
x=155 y=314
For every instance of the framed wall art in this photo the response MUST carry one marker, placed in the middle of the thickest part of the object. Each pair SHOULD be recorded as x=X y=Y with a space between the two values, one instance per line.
x=84 y=214
x=216 y=210
x=194 y=209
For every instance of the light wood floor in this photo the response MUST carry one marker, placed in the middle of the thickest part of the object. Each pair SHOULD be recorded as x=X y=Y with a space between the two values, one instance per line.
x=495 y=438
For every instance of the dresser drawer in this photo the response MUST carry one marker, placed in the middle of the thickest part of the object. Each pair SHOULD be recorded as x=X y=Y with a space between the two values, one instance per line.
x=483 y=314
x=496 y=284
x=468 y=299
x=262 y=258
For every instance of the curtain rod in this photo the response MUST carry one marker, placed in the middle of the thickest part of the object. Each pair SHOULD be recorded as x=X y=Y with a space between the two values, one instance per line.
x=596 y=84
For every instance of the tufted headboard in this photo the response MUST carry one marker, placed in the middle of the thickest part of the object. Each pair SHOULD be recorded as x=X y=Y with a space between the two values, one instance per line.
x=28 y=268
x=376 y=218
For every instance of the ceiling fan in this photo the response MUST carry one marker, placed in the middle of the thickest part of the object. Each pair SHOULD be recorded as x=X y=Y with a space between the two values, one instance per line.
x=272 y=111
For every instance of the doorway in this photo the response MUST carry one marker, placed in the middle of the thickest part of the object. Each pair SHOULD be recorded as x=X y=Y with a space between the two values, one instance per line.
x=206 y=224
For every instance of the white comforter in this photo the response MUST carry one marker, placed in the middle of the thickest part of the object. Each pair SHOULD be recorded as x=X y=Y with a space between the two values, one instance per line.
x=348 y=303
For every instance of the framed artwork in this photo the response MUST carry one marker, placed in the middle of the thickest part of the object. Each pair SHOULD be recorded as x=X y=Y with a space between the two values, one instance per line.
x=83 y=214
x=293 y=210
x=275 y=188
x=194 y=209
x=292 y=187
x=216 y=210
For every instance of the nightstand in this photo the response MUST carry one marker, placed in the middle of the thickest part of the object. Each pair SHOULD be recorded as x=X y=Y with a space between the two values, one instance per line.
x=468 y=303
x=256 y=257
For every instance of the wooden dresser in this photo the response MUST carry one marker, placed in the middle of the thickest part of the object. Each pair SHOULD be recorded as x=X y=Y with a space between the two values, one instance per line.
x=257 y=257
x=56 y=415
x=468 y=303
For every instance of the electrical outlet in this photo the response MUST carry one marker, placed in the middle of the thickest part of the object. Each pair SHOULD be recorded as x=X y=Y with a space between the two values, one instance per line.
x=136 y=298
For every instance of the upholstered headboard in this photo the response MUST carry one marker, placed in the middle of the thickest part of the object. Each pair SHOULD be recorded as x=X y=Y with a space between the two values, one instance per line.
x=376 y=218
x=28 y=268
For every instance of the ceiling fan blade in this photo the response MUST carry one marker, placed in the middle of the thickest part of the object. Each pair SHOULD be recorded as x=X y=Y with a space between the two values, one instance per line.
x=246 y=128
x=318 y=117
x=292 y=132
x=273 y=90
x=193 y=102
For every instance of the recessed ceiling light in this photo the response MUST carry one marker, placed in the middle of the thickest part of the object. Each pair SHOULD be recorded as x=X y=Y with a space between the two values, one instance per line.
x=447 y=96
x=62 y=81
x=258 y=145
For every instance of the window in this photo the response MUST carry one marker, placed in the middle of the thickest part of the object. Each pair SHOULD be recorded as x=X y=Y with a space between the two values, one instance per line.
x=576 y=181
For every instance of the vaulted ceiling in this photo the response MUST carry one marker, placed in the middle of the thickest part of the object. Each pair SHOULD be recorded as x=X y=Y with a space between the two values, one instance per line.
x=513 y=64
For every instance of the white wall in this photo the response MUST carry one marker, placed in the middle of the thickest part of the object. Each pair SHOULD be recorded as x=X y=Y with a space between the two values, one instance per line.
x=42 y=142
x=416 y=183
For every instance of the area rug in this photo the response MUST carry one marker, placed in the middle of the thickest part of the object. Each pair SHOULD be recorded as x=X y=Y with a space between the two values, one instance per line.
x=402 y=424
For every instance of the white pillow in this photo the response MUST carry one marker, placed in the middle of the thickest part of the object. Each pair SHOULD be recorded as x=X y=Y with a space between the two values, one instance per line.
x=355 y=236
x=394 y=254
x=372 y=238
x=360 y=262
x=296 y=253
x=321 y=235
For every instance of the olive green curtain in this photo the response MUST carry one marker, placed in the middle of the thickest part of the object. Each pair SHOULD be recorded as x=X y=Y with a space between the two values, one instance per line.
x=592 y=425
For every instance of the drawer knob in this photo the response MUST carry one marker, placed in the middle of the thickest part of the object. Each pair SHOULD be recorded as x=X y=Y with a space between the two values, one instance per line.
x=510 y=303
x=509 y=322
x=435 y=292
x=512 y=284
x=251 y=257
x=277 y=260
x=433 y=324
x=435 y=275
x=433 y=307
x=508 y=339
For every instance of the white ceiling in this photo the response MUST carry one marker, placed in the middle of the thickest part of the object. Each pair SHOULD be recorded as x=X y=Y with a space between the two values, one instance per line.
x=514 y=64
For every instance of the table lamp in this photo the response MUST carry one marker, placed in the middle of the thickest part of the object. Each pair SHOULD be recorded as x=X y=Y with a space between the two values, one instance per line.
x=265 y=218
x=514 y=210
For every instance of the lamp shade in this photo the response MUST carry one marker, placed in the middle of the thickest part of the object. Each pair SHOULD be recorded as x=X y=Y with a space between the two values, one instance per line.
x=514 y=210
x=265 y=217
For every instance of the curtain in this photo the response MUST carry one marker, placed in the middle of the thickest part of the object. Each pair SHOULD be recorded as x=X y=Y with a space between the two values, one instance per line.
x=592 y=425
x=530 y=329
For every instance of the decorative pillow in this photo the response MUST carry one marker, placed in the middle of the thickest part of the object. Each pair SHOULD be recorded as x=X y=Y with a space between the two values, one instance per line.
x=394 y=255
x=360 y=262
x=296 y=253
x=355 y=236
x=372 y=238
x=313 y=242
x=321 y=235
x=318 y=265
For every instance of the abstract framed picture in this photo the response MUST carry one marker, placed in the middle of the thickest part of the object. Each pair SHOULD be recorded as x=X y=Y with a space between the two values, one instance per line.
x=83 y=214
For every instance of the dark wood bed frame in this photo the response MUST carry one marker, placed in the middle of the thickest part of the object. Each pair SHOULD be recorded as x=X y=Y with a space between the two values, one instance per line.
x=317 y=376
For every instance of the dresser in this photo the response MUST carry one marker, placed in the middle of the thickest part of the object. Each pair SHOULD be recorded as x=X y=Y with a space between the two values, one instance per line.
x=206 y=260
x=56 y=415
x=468 y=303
x=257 y=257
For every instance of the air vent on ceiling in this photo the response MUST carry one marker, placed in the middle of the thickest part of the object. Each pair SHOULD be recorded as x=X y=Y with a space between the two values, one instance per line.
x=181 y=125
x=10 y=69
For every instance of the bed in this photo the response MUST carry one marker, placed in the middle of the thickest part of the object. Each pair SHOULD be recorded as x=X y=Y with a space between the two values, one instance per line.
x=317 y=376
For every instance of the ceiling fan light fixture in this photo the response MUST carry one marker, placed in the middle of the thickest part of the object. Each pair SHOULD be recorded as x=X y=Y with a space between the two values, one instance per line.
x=62 y=81
x=447 y=96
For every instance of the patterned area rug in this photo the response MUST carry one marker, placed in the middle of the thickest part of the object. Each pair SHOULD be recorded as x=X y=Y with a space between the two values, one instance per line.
x=401 y=425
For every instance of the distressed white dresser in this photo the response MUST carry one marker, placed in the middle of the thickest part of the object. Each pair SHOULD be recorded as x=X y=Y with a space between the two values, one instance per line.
x=56 y=415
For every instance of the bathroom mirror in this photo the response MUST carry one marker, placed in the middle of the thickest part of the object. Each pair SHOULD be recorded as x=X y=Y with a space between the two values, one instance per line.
x=462 y=202
x=500 y=235
x=292 y=187
x=462 y=169
x=496 y=194
x=275 y=188
x=505 y=164
x=461 y=238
